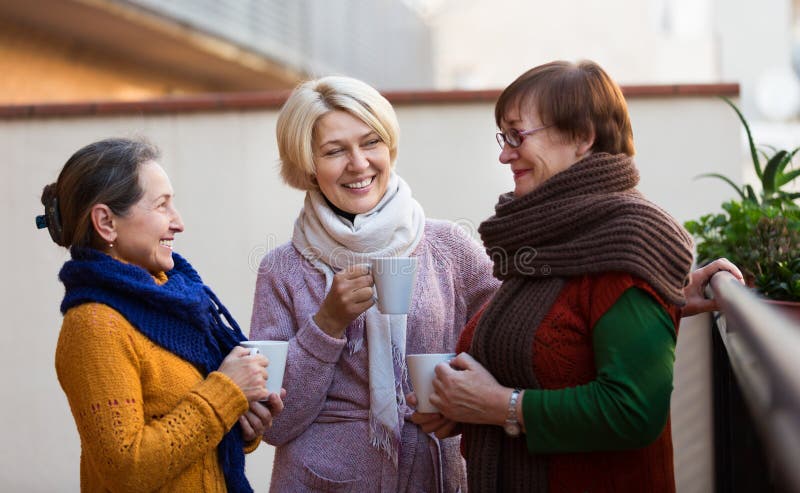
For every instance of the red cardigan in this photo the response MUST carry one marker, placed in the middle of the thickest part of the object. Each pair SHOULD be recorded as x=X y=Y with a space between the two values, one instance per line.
x=563 y=357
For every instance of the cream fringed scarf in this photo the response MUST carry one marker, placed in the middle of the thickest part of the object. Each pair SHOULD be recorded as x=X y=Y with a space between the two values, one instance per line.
x=586 y=219
x=331 y=243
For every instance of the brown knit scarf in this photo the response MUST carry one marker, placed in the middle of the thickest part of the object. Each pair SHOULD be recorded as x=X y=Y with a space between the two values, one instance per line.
x=587 y=219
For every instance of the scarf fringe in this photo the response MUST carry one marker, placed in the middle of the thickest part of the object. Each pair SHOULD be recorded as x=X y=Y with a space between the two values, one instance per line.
x=400 y=362
x=355 y=345
x=384 y=439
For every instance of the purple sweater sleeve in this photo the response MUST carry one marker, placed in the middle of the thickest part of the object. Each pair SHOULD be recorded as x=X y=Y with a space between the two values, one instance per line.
x=312 y=354
x=473 y=273
x=327 y=379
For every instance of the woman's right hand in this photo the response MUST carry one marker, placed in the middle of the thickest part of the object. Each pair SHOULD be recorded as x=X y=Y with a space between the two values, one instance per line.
x=349 y=297
x=247 y=371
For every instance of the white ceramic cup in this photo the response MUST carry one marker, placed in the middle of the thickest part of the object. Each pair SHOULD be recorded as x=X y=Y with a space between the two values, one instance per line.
x=421 y=370
x=275 y=351
x=394 y=283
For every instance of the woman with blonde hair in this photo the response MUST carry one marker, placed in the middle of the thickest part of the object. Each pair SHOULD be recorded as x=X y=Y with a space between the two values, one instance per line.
x=346 y=421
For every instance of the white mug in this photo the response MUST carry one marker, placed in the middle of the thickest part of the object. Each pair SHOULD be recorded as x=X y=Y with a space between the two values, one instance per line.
x=394 y=283
x=275 y=351
x=421 y=371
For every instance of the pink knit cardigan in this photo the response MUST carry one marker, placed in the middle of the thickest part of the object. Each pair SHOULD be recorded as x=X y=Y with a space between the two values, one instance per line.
x=321 y=436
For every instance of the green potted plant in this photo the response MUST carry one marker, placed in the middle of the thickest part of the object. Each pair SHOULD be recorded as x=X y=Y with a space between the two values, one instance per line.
x=760 y=230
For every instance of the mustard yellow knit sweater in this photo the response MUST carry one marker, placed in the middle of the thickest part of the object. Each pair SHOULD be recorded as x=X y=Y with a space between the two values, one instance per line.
x=147 y=419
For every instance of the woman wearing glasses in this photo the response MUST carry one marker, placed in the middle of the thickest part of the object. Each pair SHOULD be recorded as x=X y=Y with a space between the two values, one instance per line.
x=564 y=379
x=345 y=427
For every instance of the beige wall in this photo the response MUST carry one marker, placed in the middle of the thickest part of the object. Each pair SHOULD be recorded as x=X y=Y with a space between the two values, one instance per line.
x=223 y=167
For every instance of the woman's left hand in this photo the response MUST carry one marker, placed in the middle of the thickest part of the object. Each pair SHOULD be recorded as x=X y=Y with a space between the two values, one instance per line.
x=466 y=392
x=696 y=301
x=256 y=420
x=432 y=422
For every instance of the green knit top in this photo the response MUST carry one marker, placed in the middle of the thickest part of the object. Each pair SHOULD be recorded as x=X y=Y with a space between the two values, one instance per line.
x=627 y=405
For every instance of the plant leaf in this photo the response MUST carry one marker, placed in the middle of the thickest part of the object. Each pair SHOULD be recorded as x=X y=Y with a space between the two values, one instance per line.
x=751 y=195
x=726 y=180
x=770 y=147
x=785 y=178
x=786 y=160
x=774 y=166
x=753 y=153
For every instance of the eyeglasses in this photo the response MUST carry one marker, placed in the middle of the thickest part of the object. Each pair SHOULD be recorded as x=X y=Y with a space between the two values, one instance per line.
x=514 y=137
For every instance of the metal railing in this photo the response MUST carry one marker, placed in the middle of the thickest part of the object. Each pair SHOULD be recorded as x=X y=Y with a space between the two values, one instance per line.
x=757 y=393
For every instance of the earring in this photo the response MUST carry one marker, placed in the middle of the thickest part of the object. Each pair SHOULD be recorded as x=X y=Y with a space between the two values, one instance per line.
x=110 y=245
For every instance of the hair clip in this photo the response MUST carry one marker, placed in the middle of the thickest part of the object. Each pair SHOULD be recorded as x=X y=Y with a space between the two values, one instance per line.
x=41 y=222
x=51 y=219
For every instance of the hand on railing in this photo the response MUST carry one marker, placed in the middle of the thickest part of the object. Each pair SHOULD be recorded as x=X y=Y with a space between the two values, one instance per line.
x=696 y=299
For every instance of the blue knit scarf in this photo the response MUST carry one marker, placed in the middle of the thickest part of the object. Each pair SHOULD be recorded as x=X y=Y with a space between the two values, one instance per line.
x=182 y=315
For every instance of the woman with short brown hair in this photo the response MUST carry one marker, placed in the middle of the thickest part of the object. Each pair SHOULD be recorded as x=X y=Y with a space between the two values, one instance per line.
x=564 y=379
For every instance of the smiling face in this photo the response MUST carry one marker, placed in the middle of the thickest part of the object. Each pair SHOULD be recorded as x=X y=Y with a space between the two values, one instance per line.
x=353 y=164
x=541 y=154
x=145 y=233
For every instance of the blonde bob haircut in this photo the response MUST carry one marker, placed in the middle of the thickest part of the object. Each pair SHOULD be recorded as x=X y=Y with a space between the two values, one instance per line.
x=312 y=100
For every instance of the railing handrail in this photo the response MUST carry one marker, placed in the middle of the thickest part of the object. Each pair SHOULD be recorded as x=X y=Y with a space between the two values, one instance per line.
x=764 y=350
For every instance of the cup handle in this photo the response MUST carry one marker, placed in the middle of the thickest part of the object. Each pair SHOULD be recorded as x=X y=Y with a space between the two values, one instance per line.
x=374 y=289
x=254 y=351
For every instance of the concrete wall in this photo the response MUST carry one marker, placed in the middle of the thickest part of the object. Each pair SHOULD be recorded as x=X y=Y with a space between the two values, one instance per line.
x=223 y=168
